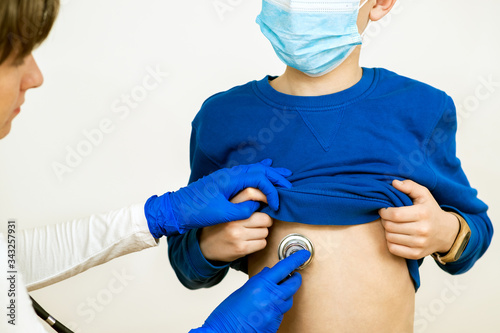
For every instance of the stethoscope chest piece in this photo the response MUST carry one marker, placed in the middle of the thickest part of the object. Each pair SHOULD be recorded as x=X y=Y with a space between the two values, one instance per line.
x=293 y=243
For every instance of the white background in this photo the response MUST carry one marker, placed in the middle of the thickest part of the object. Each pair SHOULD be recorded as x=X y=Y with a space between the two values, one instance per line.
x=101 y=49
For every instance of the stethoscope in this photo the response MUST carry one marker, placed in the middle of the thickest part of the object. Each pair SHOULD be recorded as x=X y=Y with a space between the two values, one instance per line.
x=288 y=245
x=56 y=325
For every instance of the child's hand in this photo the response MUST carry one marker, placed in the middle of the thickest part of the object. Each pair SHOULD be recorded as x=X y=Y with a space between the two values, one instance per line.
x=233 y=240
x=414 y=232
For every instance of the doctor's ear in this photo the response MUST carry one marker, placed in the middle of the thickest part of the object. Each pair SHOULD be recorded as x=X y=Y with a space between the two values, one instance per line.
x=381 y=9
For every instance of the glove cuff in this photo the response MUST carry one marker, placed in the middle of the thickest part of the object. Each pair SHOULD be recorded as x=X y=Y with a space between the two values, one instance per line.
x=160 y=216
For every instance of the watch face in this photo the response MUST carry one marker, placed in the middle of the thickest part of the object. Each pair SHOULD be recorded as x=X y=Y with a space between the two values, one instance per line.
x=462 y=246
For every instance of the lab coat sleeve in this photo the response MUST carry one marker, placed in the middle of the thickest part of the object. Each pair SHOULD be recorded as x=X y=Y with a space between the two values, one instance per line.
x=50 y=254
x=193 y=270
x=21 y=313
x=452 y=189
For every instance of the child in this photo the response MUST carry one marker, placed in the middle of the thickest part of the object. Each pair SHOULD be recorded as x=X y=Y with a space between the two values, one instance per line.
x=350 y=135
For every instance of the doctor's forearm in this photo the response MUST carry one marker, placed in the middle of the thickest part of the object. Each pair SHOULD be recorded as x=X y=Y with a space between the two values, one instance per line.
x=53 y=253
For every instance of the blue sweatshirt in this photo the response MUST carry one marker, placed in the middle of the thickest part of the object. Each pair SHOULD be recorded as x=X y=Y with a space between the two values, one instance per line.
x=344 y=149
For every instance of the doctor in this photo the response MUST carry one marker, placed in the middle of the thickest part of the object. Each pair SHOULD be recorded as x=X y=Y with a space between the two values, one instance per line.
x=50 y=254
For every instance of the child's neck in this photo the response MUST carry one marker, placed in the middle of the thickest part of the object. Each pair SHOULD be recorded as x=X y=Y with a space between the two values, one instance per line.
x=294 y=82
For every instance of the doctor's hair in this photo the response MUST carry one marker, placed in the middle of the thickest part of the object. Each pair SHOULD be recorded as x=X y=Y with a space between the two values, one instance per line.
x=24 y=24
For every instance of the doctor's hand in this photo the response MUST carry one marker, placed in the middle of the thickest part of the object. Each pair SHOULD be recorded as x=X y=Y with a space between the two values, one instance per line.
x=414 y=232
x=230 y=241
x=206 y=201
x=259 y=305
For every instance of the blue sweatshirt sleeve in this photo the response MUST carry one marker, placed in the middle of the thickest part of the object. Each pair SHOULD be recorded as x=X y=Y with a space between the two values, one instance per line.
x=189 y=264
x=193 y=270
x=452 y=189
x=201 y=330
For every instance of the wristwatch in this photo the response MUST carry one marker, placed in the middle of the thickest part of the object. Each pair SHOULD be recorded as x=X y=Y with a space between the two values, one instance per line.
x=458 y=246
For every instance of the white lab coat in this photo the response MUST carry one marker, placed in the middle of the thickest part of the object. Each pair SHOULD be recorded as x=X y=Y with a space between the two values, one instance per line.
x=50 y=254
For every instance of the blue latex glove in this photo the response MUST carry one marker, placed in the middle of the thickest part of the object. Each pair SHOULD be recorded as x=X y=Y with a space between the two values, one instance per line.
x=206 y=201
x=259 y=305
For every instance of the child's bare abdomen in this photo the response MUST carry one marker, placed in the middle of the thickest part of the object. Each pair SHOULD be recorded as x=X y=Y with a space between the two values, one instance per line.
x=353 y=285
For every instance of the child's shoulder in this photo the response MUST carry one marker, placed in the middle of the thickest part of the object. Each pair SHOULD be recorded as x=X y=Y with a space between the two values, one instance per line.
x=229 y=107
x=407 y=87
x=225 y=119
x=237 y=94
x=413 y=101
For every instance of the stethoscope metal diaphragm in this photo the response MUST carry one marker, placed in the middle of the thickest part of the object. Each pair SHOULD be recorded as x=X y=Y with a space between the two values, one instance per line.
x=294 y=243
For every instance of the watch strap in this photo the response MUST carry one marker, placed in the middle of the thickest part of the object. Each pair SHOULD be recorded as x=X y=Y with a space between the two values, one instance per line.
x=458 y=246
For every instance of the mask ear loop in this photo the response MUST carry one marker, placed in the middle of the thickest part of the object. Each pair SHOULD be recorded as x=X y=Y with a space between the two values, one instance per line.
x=366 y=29
x=364 y=3
x=369 y=21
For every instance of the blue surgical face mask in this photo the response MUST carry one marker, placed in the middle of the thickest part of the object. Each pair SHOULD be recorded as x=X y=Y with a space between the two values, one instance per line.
x=312 y=36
